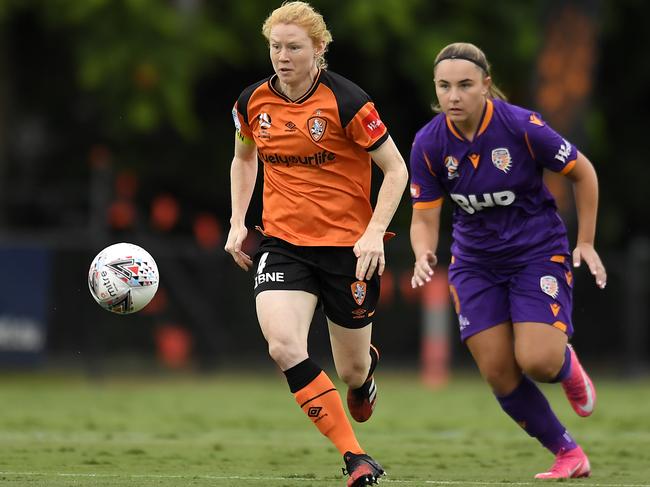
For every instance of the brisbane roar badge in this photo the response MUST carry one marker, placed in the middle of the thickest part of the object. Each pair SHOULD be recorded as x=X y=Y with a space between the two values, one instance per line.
x=358 y=289
x=316 y=126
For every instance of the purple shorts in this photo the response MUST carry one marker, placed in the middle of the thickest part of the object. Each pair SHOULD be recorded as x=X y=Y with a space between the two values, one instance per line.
x=540 y=292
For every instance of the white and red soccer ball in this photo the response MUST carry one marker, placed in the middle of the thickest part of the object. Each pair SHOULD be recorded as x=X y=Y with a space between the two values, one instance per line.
x=123 y=278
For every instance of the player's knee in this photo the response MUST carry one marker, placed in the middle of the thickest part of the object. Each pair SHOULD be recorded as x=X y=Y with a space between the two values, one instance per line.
x=538 y=368
x=354 y=374
x=501 y=378
x=284 y=352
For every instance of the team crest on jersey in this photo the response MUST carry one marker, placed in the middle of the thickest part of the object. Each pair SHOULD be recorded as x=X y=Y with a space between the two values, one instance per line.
x=451 y=163
x=549 y=286
x=316 y=126
x=358 y=289
x=265 y=120
x=501 y=159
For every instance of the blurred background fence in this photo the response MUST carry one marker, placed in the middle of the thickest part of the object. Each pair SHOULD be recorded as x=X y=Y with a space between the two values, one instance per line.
x=115 y=125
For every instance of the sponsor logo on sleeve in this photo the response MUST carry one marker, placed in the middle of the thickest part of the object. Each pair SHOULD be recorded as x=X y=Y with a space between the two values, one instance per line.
x=373 y=124
x=415 y=190
x=564 y=151
x=235 y=118
x=501 y=159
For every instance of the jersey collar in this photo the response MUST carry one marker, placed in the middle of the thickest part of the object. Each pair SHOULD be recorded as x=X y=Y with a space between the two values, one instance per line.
x=486 y=118
x=304 y=97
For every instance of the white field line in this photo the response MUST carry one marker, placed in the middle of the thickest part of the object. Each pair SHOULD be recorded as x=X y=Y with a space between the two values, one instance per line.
x=583 y=483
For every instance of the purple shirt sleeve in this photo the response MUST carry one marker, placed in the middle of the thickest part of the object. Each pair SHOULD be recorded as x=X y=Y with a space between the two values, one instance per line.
x=549 y=148
x=426 y=191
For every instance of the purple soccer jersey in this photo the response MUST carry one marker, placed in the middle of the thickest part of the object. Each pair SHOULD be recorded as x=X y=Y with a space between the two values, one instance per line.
x=504 y=214
x=511 y=254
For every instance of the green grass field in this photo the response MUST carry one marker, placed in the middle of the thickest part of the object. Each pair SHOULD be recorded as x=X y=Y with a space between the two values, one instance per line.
x=245 y=430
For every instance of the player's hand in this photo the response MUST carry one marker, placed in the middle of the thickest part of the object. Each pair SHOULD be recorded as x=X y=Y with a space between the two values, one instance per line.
x=236 y=237
x=423 y=269
x=586 y=252
x=369 y=250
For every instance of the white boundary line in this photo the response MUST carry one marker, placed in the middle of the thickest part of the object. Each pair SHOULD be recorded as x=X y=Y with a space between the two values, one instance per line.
x=582 y=483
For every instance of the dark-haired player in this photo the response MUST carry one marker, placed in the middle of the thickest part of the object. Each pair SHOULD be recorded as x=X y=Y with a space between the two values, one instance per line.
x=510 y=275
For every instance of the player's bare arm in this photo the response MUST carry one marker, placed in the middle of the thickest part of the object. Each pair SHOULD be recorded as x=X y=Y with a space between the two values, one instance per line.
x=243 y=173
x=369 y=249
x=585 y=186
x=425 y=227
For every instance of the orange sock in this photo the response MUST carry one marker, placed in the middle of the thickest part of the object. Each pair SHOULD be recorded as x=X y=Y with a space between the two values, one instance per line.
x=322 y=404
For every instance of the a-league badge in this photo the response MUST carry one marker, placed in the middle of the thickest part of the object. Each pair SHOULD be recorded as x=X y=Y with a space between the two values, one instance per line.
x=451 y=163
x=265 y=120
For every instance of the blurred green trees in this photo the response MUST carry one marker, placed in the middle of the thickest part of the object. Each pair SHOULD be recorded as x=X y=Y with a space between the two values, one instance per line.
x=155 y=80
x=143 y=58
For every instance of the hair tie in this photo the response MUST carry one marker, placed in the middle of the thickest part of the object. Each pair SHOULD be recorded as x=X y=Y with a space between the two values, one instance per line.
x=465 y=58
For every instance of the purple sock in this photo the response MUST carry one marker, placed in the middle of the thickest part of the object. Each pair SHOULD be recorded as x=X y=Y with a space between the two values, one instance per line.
x=530 y=409
x=565 y=370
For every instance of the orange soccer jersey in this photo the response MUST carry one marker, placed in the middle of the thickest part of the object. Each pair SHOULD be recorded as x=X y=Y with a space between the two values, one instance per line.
x=317 y=168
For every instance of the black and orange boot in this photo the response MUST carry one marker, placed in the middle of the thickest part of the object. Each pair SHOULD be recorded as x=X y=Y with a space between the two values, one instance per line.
x=361 y=401
x=362 y=469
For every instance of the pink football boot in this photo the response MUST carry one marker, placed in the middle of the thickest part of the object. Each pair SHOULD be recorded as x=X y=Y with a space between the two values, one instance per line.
x=570 y=464
x=578 y=388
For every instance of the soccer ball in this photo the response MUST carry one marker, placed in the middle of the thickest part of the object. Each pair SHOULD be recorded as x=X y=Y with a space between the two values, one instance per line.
x=123 y=278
